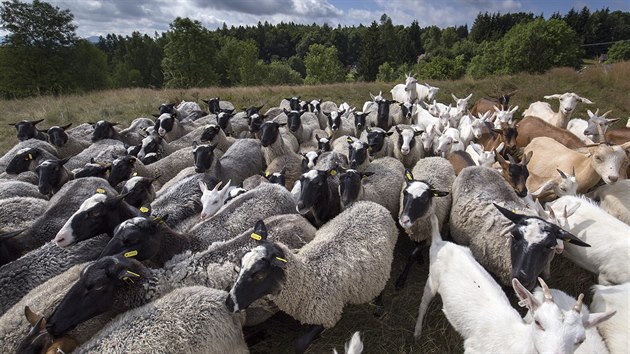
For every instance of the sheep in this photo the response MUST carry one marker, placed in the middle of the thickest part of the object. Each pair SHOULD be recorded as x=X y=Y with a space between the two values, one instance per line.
x=52 y=176
x=27 y=159
x=407 y=148
x=139 y=191
x=373 y=184
x=339 y=125
x=354 y=345
x=593 y=342
x=155 y=143
x=379 y=143
x=615 y=330
x=215 y=105
x=196 y=321
x=381 y=117
x=93 y=169
x=242 y=160
x=162 y=171
x=32 y=144
x=169 y=128
x=532 y=127
x=67 y=145
x=60 y=207
x=484 y=105
x=462 y=282
x=358 y=154
x=26 y=130
x=360 y=123
x=105 y=130
x=20 y=189
x=102 y=151
x=214 y=135
x=314 y=284
x=273 y=142
x=185 y=109
x=591 y=164
x=318 y=196
x=478 y=223
x=40 y=341
x=18 y=213
x=301 y=125
x=607 y=236
x=291 y=103
x=290 y=166
x=568 y=102
x=431 y=177
x=614 y=199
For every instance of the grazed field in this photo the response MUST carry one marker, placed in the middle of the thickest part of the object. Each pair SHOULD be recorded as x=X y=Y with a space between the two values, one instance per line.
x=392 y=333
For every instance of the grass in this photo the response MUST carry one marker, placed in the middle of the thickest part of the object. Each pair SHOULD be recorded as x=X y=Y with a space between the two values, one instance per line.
x=607 y=86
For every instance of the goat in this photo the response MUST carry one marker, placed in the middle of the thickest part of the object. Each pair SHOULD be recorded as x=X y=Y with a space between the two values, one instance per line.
x=532 y=127
x=568 y=102
x=484 y=105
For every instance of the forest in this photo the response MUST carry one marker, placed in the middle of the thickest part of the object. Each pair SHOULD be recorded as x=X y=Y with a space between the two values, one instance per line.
x=43 y=55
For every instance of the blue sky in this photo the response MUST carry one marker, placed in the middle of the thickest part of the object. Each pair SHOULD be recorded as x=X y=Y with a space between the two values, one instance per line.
x=99 y=17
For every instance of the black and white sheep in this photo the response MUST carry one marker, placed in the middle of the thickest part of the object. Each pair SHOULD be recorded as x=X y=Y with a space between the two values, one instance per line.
x=241 y=160
x=67 y=145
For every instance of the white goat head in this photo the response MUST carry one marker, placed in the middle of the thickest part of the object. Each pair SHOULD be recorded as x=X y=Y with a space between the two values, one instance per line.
x=461 y=103
x=429 y=136
x=568 y=101
x=378 y=97
x=594 y=121
x=212 y=200
x=501 y=116
x=410 y=83
x=555 y=330
x=432 y=91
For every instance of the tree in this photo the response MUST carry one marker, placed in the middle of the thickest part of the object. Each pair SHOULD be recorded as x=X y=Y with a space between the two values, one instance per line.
x=619 y=51
x=385 y=73
x=370 y=57
x=189 y=55
x=280 y=73
x=323 y=65
x=38 y=24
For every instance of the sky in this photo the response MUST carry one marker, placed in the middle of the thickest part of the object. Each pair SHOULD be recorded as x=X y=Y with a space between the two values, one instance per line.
x=100 y=17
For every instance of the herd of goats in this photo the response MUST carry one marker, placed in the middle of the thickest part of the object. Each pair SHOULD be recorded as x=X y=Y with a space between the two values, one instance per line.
x=124 y=239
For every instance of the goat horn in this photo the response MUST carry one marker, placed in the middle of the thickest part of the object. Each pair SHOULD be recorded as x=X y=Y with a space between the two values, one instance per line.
x=546 y=291
x=578 y=305
x=605 y=114
x=596 y=111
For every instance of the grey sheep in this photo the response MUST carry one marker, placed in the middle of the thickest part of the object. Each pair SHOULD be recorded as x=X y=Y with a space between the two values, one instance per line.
x=18 y=213
x=163 y=170
x=272 y=138
x=186 y=320
x=82 y=131
x=101 y=151
x=348 y=262
x=133 y=134
x=243 y=159
x=302 y=125
x=214 y=135
x=407 y=145
x=379 y=142
x=67 y=145
x=26 y=155
x=11 y=189
x=377 y=184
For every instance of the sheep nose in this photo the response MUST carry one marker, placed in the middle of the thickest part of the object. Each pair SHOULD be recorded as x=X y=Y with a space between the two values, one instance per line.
x=613 y=178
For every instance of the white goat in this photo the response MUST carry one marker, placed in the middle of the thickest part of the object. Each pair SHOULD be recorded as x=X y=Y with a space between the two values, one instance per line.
x=449 y=142
x=406 y=92
x=568 y=102
x=590 y=131
x=213 y=200
x=481 y=157
x=478 y=309
x=501 y=116
x=615 y=331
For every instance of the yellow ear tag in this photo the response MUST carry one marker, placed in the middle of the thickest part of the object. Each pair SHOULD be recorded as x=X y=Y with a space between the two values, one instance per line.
x=267 y=174
x=514 y=211
x=30 y=157
x=128 y=280
x=256 y=236
x=435 y=194
x=144 y=210
x=135 y=174
x=281 y=259
x=100 y=190
x=350 y=140
x=409 y=176
x=134 y=274
x=333 y=172
x=131 y=254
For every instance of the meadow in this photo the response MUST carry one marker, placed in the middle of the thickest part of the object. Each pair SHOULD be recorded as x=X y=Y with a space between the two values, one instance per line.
x=606 y=86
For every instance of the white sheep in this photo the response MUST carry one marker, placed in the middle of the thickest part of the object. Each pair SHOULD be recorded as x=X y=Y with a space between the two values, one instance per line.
x=314 y=284
x=614 y=199
x=542 y=110
x=615 y=331
x=607 y=236
x=478 y=309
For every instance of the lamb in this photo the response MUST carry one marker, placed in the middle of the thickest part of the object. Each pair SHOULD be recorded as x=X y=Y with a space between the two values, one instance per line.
x=406 y=147
x=243 y=159
x=614 y=199
x=591 y=164
x=196 y=321
x=462 y=282
x=613 y=298
x=476 y=222
x=67 y=145
x=568 y=102
x=431 y=177
x=374 y=184
x=607 y=236
x=313 y=291
x=593 y=342
x=379 y=143
x=26 y=130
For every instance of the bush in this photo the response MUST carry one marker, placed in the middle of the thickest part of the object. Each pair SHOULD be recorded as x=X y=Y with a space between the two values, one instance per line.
x=385 y=73
x=442 y=68
x=619 y=51
x=323 y=65
x=280 y=73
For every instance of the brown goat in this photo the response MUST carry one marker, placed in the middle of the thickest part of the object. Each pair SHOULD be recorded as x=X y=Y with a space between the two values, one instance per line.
x=515 y=173
x=487 y=105
x=460 y=160
x=618 y=136
x=532 y=127
x=40 y=341
x=507 y=135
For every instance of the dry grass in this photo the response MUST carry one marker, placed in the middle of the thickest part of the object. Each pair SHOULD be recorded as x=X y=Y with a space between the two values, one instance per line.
x=608 y=87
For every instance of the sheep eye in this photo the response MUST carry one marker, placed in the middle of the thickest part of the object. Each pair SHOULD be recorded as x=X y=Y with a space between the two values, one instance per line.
x=563 y=189
x=580 y=341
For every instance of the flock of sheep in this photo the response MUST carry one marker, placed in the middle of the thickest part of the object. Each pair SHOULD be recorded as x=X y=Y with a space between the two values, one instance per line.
x=123 y=240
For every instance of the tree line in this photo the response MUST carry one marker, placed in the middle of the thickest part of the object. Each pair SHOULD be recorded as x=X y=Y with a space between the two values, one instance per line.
x=43 y=55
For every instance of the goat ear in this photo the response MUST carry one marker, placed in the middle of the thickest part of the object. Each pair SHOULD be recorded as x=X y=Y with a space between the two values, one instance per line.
x=203 y=186
x=504 y=164
x=527 y=158
x=584 y=100
x=260 y=231
x=512 y=216
x=526 y=298
x=550 y=97
x=596 y=318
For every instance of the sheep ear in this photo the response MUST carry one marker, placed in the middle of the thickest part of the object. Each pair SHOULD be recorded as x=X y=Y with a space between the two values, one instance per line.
x=437 y=193
x=512 y=216
x=408 y=175
x=32 y=317
x=260 y=231
x=570 y=238
x=278 y=262
x=527 y=299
